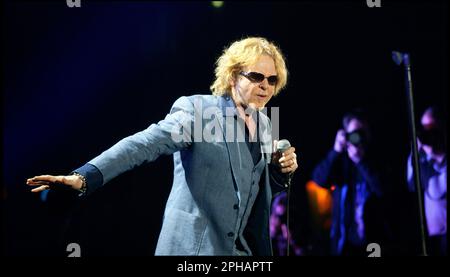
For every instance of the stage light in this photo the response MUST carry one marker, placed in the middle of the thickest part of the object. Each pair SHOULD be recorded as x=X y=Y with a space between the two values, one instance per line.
x=217 y=4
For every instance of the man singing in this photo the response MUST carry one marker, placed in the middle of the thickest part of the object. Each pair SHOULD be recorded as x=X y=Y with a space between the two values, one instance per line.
x=225 y=173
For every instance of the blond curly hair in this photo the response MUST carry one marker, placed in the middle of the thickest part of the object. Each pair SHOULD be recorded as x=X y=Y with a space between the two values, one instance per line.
x=243 y=53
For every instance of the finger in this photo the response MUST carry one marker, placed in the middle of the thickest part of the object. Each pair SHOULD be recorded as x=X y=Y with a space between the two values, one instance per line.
x=41 y=188
x=37 y=183
x=42 y=178
x=289 y=169
x=286 y=169
x=291 y=156
x=290 y=150
x=49 y=178
x=287 y=163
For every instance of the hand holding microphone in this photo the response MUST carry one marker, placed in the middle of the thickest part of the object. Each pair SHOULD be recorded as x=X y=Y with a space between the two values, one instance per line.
x=284 y=156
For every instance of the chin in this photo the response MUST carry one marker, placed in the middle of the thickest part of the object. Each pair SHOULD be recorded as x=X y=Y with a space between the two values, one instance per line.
x=261 y=106
x=256 y=106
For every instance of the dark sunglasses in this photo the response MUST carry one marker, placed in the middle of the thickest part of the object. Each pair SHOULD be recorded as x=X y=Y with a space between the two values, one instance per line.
x=256 y=77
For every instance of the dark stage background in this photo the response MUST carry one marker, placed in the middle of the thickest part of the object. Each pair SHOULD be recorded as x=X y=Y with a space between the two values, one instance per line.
x=77 y=80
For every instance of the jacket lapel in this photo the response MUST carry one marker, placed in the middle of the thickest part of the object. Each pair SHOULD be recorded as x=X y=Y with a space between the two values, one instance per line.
x=227 y=121
x=265 y=136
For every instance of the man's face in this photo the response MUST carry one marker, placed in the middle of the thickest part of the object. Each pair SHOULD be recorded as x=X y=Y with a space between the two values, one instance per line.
x=354 y=150
x=255 y=94
x=429 y=124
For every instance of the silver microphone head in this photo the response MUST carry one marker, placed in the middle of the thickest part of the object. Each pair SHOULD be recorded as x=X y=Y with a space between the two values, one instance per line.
x=283 y=145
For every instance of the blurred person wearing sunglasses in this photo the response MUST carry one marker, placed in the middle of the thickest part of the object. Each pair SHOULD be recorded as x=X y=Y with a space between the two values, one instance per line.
x=353 y=177
x=222 y=189
x=432 y=144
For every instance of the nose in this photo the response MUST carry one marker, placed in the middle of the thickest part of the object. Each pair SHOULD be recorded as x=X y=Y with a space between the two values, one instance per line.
x=264 y=84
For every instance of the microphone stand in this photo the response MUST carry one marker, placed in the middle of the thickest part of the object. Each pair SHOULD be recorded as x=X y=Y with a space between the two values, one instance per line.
x=403 y=58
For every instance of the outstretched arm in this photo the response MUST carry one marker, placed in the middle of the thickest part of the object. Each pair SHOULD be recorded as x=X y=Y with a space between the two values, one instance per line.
x=145 y=146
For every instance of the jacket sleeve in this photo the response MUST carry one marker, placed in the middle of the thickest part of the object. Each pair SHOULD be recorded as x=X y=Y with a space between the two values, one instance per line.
x=164 y=138
x=371 y=176
x=324 y=174
x=277 y=178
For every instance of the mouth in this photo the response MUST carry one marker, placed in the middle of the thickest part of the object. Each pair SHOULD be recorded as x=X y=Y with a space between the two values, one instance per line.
x=261 y=96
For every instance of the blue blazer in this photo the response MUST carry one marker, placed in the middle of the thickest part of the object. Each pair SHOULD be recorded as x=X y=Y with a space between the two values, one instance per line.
x=200 y=217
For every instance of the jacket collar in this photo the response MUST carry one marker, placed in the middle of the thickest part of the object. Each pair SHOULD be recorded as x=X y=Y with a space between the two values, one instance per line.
x=227 y=105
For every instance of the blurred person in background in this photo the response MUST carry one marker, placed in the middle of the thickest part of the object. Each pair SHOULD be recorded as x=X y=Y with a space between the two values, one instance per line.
x=432 y=145
x=352 y=174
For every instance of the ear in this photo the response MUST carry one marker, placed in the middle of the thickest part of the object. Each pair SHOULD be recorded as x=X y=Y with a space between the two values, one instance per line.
x=233 y=81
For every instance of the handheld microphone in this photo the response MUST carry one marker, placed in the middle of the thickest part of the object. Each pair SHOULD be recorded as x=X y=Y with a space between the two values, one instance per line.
x=283 y=145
